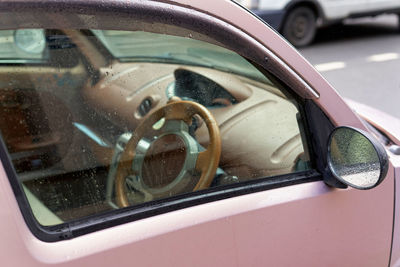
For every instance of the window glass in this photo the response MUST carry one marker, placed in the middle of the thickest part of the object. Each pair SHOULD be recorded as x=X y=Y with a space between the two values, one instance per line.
x=134 y=46
x=166 y=116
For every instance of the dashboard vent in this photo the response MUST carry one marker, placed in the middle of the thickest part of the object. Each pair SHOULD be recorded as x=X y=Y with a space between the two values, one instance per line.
x=145 y=107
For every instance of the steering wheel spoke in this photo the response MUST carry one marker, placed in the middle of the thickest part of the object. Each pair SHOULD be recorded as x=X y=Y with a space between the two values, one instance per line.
x=134 y=183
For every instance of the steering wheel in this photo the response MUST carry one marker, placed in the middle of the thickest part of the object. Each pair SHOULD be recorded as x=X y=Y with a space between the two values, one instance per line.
x=166 y=164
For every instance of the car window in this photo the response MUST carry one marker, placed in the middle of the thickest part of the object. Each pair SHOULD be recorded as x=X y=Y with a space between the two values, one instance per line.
x=122 y=119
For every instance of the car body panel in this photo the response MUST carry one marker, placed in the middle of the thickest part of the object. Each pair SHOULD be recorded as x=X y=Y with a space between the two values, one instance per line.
x=310 y=224
x=341 y=9
x=323 y=222
x=332 y=10
x=395 y=256
x=383 y=5
x=386 y=123
x=390 y=126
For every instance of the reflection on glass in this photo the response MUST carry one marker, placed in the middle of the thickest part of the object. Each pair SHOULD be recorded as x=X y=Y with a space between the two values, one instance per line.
x=354 y=158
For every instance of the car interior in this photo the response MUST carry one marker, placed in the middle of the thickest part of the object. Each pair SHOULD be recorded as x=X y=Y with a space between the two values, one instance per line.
x=79 y=108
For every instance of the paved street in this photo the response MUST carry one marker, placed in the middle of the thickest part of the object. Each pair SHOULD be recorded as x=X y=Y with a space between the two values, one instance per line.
x=361 y=59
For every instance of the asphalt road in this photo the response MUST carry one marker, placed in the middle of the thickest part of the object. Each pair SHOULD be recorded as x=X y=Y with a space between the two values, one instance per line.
x=361 y=59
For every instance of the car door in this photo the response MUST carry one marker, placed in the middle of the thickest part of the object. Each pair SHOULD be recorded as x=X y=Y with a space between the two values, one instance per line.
x=378 y=5
x=341 y=9
x=265 y=203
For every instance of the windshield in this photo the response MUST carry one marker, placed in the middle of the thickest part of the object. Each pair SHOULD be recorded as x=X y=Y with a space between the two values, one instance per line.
x=150 y=47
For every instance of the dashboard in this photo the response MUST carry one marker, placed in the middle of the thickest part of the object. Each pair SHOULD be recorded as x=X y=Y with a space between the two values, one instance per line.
x=247 y=112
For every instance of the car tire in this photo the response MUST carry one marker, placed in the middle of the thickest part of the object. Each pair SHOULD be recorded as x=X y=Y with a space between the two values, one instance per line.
x=300 y=26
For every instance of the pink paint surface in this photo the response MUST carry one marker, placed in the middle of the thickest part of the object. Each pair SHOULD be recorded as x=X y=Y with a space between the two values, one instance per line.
x=302 y=225
x=252 y=230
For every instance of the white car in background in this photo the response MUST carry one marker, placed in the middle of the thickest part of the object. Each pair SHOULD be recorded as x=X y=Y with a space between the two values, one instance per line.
x=298 y=20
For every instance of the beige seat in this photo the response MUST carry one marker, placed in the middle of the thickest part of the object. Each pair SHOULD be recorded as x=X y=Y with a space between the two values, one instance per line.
x=42 y=214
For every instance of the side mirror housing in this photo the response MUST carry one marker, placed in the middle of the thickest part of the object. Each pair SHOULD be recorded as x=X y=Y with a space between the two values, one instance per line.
x=356 y=158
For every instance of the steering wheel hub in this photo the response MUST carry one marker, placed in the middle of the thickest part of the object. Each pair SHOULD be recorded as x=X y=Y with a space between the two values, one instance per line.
x=163 y=161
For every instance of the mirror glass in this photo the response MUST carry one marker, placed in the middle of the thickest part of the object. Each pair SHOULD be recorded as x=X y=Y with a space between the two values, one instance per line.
x=354 y=159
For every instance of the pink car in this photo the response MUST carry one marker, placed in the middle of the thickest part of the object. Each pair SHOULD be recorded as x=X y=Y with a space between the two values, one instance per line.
x=183 y=133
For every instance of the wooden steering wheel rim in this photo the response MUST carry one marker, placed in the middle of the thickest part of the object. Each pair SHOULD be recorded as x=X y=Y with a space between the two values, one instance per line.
x=207 y=161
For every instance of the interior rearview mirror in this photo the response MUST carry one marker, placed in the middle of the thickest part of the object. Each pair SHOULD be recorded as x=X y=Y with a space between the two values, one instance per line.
x=356 y=158
x=32 y=41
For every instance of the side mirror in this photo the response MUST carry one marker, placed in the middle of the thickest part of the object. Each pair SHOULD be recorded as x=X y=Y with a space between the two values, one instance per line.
x=356 y=158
